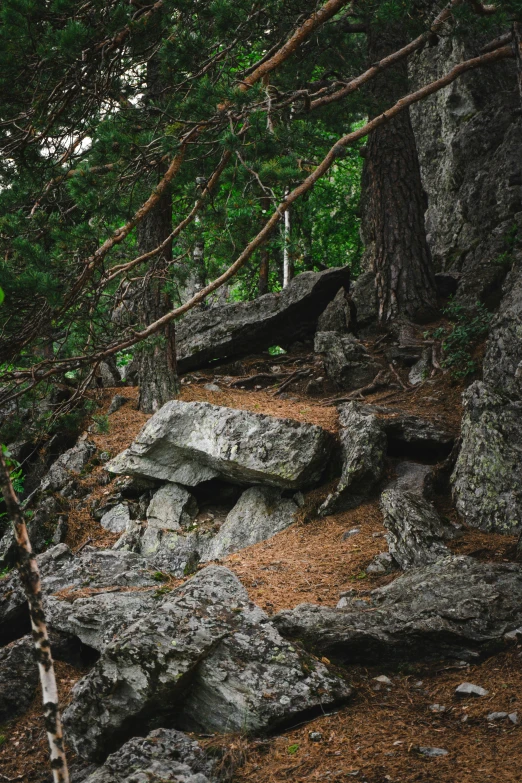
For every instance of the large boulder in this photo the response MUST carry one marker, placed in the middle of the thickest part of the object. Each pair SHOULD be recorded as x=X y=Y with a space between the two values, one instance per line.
x=347 y=362
x=192 y=442
x=456 y=607
x=163 y=756
x=205 y=659
x=412 y=435
x=337 y=317
x=242 y=328
x=363 y=444
x=18 y=678
x=487 y=480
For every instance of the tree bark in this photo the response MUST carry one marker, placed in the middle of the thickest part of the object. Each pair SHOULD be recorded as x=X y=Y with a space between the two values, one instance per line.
x=394 y=202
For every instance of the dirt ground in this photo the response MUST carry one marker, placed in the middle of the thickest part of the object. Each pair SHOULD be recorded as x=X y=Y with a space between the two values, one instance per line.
x=377 y=736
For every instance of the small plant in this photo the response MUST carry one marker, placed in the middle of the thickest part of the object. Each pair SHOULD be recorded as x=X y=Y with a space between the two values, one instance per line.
x=276 y=350
x=470 y=325
x=292 y=749
x=102 y=424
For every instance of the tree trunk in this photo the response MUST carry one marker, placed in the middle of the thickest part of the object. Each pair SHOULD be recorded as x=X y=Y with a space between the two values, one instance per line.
x=288 y=265
x=157 y=373
x=394 y=201
x=264 y=268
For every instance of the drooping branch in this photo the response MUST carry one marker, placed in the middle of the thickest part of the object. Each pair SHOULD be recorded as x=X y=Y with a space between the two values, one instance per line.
x=48 y=368
x=30 y=579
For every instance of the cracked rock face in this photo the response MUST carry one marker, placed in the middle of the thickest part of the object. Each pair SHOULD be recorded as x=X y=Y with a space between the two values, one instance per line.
x=18 y=678
x=205 y=657
x=456 y=606
x=416 y=534
x=163 y=756
x=363 y=445
x=191 y=442
x=172 y=508
x=487 y=478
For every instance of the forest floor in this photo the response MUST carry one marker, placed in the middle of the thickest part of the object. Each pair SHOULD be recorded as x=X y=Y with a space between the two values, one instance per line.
x=376 y=737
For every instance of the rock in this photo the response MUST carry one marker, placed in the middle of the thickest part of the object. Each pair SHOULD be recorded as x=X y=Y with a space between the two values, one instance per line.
x=164 y=756
x=117 y=519
x=421 y=369
x=59 y=570
x=438 y=708
x=410 y=435
x=242 y=328
x=486 y=479
x=363 y=294
x=206 y=633
x=347 y=362
x=192 y=442
x=349 y=533
x=259 y=514
x=383 y=563
x=432 y=752
x=116 y=403
x=96 y=619
x=315 y=736
x=363 y=446
x=446 y=283
x=18 y=678
x=60 y=532
x=493 y=716
x=108 y=374
x=412 y=477
x=503 y=358
x=416 y=534
x=213 y=387
x=468 y=689
x=172 y=508
x=457 y=607
x=382 y=678
x=513 y=717
x=71 y=463
x=337 y=316
x=469 y=143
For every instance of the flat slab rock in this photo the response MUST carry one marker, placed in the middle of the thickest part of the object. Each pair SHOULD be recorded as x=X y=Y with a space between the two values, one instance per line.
x=207 y=660
x=61 y=570
x=457 y=606
x=163 y=756
x=234 y=330
x=192 y=442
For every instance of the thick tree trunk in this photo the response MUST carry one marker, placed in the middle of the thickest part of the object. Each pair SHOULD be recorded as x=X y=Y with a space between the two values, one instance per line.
x=394 y=203
x=157 y=374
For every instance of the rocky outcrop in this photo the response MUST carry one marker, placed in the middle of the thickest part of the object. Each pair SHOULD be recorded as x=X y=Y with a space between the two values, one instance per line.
x=363 y=444
x=469 y=141
x=192 y=442
x=69 y=464
x=347 y=362
x=163 y=756
x=172 y=508
x=337 y=317
x=416 y=535
x=410 y=435
x=237 y=329
x=205 y=659
x=457 y=607
x=18 y=678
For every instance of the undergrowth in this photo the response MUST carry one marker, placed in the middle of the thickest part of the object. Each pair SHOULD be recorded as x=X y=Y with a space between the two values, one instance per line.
x=469 y=325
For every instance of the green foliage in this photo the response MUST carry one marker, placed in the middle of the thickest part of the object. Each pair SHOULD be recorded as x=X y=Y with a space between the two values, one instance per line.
x=15 y=470
x=292 y=749
x=469 y=326
x=102 y=423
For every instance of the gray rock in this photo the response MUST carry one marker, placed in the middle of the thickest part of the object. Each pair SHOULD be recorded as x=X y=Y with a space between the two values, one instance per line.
x=191 y=442
x=109 y=374
x=39 y=528
x=116 y=403
x=349 y=533
x=337 y=316
x=493 y=716
x=117 y=519
x=364 y=297
x=363 y=444
x=457 y=606
x=60 y=569
x=383 y=563
x=503 y=359
x=468 y=689
x=412 y=477
x=347 y=362
x=164 y=756
x=243 y=328
x=67 y=465
x=432 y=752
x=487 y=476
x=259 y=514
x=206 y=634
x=172 y=508
x=469 y=143
x=438 y=708
x=513 y=717
x=416 y=534
x=421 y=369
x=18 y=678
x=410 y=434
